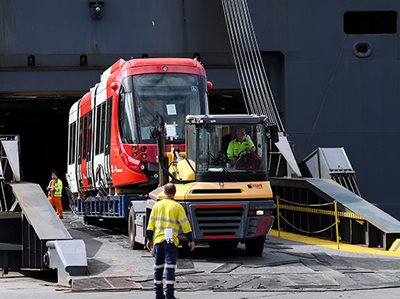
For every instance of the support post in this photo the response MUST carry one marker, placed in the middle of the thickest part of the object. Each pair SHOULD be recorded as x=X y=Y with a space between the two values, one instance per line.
x=337 y=224
x=278 y=212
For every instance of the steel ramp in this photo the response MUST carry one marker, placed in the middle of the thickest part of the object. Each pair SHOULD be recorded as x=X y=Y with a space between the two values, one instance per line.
x=362 y=222
x=39 y=213
x=30 y=236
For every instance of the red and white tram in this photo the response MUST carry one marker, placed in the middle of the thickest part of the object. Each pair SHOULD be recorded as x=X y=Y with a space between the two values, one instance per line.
x=110 y=145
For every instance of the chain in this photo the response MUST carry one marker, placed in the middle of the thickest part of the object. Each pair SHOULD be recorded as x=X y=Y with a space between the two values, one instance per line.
x=306 y=205
x=307 y=232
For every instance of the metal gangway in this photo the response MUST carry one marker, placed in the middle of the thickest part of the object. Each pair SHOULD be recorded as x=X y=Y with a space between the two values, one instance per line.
x=31 y=234
x=333 y=178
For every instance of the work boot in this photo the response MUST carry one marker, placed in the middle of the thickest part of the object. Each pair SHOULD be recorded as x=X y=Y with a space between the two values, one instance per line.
x=160 y=297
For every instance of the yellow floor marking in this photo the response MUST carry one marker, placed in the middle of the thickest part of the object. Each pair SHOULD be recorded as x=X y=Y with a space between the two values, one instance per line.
x=395 y=246
x=332 y=244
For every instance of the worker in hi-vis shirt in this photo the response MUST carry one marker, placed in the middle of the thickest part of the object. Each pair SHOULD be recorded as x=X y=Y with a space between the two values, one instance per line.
x=166 y=218
x=241 y=144
x=55 y=193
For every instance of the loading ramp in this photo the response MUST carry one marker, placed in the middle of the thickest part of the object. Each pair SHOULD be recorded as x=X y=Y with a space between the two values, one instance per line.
x=33 y=237
x=361 y=222
x=31 y=234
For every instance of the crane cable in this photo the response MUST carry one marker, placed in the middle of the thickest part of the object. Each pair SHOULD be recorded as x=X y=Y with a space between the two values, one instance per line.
x=249 y=65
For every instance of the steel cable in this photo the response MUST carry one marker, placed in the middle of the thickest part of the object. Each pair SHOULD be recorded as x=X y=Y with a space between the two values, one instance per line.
x=248 y=52
x=271 y=100
x=307 y=232
x=249 y=65
x=306 y=205
x=257 y=60
x=239 y=70
x=236 y=41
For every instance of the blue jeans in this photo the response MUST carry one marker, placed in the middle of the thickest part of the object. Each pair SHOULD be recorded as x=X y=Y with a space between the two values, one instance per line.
x=165 y=258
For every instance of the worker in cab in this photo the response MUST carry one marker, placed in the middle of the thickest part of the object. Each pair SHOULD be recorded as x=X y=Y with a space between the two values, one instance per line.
x=166 y=218
x=240 y=145
x=54 y=190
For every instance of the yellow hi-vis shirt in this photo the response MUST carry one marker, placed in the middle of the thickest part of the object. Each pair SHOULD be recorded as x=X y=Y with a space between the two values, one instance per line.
x=167 y=213
x=237 y=147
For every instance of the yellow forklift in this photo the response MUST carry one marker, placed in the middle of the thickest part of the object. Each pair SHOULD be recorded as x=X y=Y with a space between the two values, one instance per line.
x=222 y=185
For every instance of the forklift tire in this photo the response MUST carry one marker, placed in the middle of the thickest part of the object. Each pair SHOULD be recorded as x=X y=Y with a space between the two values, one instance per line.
x=91 y=220
x=255 y=247
x=132 y=231
x=225 y=245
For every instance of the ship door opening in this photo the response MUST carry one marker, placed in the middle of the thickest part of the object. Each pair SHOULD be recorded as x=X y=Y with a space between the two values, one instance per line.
x=226 y=101
x=42 y=124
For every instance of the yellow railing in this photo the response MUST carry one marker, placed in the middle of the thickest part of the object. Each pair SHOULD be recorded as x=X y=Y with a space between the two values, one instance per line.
x=313 y=209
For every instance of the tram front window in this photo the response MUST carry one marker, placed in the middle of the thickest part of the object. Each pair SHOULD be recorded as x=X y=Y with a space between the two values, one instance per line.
x=171 y=95
x=231 y=148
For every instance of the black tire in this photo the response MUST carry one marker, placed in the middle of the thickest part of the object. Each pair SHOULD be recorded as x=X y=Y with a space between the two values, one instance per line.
x=91 y=220
x=255 y=247
x=71 y=202
x=225 y=245
x=132 y=231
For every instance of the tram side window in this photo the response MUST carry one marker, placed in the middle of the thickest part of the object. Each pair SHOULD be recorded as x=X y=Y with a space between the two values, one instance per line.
x=89 y=135
x=84 y=137
x=79 y=149
x=108 y=127
x=103 y=127
x=126 y=118
x=72 y=143
x=98 y=130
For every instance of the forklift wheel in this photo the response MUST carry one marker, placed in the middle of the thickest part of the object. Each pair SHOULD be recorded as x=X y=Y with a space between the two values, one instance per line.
x=223 y=246
x=90 y=220
x=132 y=231
x=255 y=247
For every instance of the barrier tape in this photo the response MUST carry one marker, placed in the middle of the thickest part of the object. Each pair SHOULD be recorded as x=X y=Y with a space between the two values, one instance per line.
x=321 y=212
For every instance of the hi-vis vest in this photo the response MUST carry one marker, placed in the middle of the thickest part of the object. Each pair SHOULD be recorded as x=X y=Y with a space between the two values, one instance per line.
x=58 y=185
x=169 y=214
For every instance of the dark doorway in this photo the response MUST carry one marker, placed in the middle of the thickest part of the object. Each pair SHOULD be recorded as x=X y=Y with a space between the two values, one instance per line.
x=226 y=101
x=41 y=124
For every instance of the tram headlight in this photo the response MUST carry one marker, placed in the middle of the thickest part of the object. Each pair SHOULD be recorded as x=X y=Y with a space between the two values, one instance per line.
x=144 y=156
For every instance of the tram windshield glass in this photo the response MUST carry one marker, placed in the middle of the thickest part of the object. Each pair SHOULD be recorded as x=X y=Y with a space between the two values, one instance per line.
x=171 y=95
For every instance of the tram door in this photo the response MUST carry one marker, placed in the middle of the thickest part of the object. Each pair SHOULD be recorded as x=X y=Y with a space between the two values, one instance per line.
x=101 y=151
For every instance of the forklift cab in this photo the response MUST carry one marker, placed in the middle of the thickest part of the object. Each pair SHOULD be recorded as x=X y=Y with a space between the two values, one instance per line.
x=216 y=152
